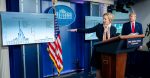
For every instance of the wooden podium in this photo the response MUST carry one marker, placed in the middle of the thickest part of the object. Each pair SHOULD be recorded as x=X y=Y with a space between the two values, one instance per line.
x=114 y=54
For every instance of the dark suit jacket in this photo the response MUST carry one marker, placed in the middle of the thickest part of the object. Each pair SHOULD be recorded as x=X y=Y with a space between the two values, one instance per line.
x=127 y=28
x=99 y=29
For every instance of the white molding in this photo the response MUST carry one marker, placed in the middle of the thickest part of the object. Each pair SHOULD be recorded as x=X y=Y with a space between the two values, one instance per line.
x=4 y=53
x=2 y=5
x=102 y=1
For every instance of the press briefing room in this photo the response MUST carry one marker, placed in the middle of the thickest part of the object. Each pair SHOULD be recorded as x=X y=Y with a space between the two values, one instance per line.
x=74 y=39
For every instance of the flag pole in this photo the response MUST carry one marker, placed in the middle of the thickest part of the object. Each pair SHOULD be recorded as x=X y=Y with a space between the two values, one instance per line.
x=53 y=70
x=54 y=11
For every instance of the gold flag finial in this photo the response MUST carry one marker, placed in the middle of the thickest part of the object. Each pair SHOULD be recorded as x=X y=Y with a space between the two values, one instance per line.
x=54 y=2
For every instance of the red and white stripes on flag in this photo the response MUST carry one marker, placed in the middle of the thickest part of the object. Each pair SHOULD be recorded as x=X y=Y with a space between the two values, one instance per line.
x=55 y=52
x=55 y=49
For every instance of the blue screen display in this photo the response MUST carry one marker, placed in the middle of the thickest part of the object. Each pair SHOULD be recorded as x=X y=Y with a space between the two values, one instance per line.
x=118 y=27
x=91 y=21
x=26 y=28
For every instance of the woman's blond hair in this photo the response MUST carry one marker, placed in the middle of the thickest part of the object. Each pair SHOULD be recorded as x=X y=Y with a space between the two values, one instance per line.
x=109 y=15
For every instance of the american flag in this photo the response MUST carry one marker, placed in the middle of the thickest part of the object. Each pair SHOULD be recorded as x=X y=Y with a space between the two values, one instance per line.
x=55 y=49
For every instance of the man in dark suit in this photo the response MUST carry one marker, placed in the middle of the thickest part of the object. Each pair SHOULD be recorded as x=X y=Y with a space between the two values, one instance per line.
x=132 y=27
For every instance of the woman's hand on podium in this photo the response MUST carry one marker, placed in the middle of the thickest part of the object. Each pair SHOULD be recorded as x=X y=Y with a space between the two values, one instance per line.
x=72 y=30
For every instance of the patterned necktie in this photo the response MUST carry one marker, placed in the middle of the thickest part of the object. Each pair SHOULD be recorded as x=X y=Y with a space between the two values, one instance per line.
x=133 y=28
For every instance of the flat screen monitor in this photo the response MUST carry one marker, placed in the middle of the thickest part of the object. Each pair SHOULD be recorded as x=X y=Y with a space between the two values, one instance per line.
x=26 y=28
x=91 y=21
x=118 y=23
x=118 y=27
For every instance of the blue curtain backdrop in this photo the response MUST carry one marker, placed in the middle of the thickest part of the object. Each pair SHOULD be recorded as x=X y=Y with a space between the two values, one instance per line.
x=16 y=61
x=75 y=49
x=15 y=52
x=74 y=53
